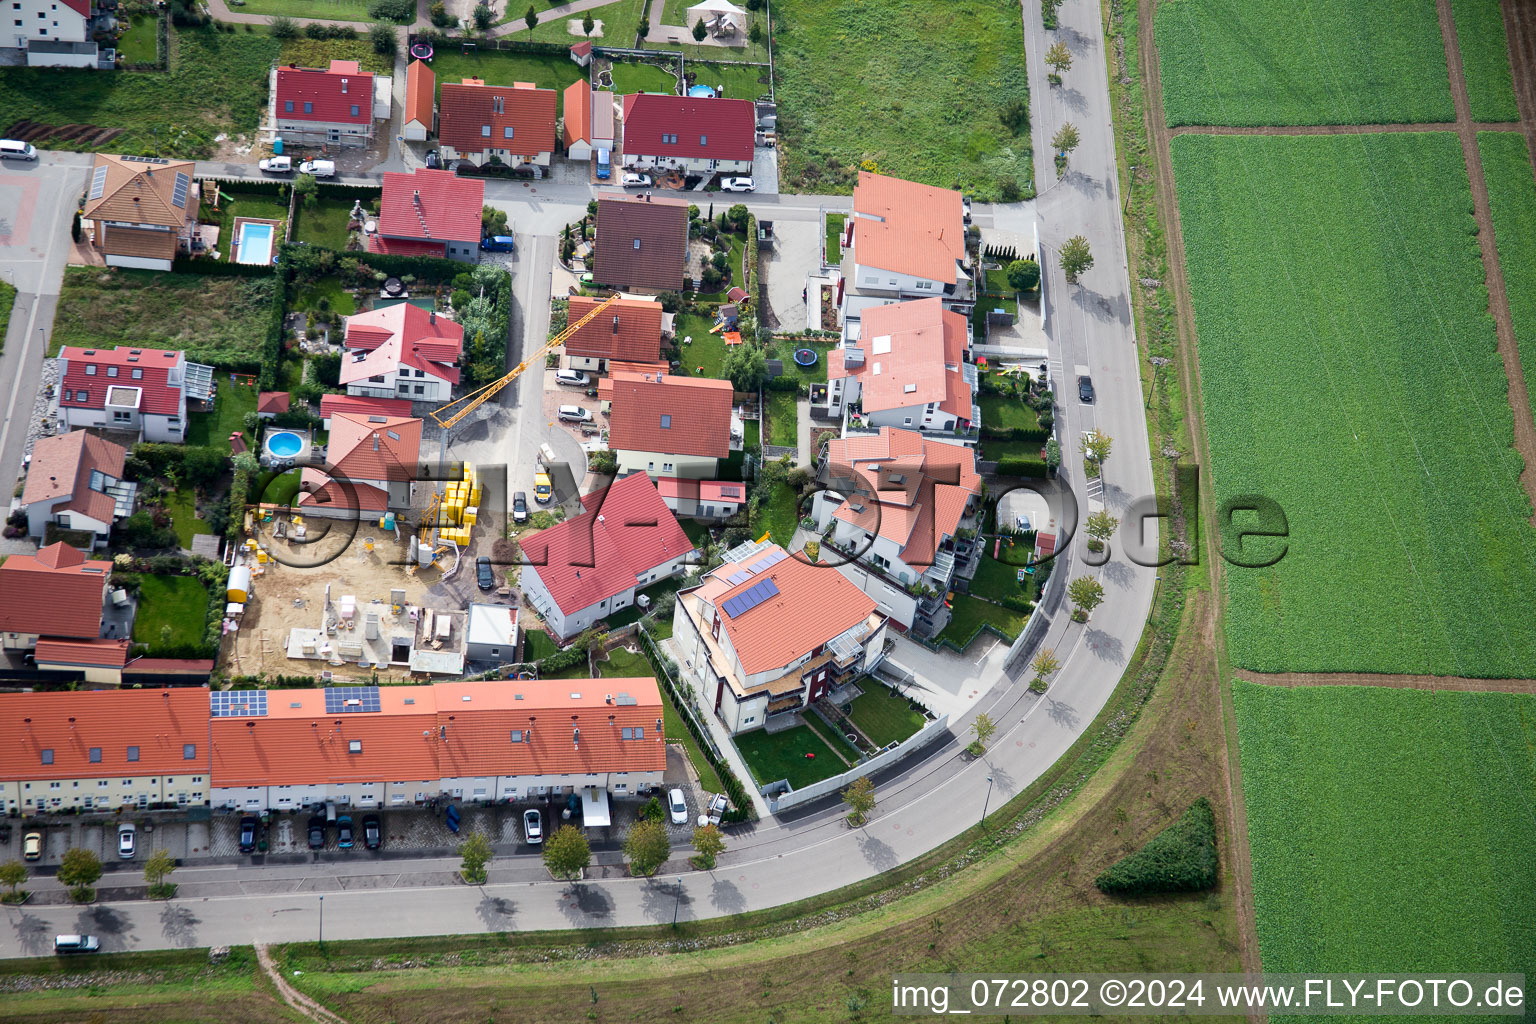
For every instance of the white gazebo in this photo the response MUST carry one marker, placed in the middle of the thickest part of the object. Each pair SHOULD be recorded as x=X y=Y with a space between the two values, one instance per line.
x=721 y=18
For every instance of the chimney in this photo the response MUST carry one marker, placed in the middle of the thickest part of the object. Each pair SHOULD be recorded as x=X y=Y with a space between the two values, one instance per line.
x=431 y=316
x=375 y=440
x=615 y=325
x=343 y=86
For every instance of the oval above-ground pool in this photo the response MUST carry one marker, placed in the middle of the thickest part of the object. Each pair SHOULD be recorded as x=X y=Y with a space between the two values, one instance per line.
x=284 y=444
x=702 y=90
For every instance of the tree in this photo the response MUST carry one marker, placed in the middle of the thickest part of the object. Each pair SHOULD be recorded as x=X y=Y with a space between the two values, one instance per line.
x=1059 y=57
x=476 y=851
x=983 y=728
x=647 y=847
x=13 y=873
x=746 y=367
x=247 y=462
x=305 y=187
x=382 y=35
x=531 y=19
x=438 y=12
x=1087 y=593
x=1066 y=138
x=1100 y=526
x=1053 y=453
x=156 y=868
x=709 y=842
x=1045 y=665
x=755 y=34
x=484 y=17
x=737 y=217
x=1023 y=275
x=699 y=31
x=282 y=28
x=566 y=853
x=80 y=869
x=860 y=798
x=1076 y=257
x=587 y=24
x=1096 y=445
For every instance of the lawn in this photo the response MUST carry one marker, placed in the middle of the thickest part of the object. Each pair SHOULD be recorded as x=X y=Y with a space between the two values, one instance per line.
x=182 y=505
x=232 y=203
x=676 y=13
x=735 y=81
x=1485 y=60
x=995 y=579
x=330 y=10
x=228 y=415
x=968 y=614
x=704 y=356
x=884 y=715
x=625 y=616
x=332 y=291
x=834 y=245
x=1329 y=62
x=281 y=488
x=1332 y=354
x=324 y=223
x=731 y=465
x=1512 y=197
x=783 y=420
x=1390 y=829
x=1003 y=412
x=318 y=53
x=503 y=67
x=212 y=318
x=779 y=516
x=538 y=645
x=180 y=602
x=916 y=88
x=632 y=76
x=7 y=302
x=141 y=43
x=621 y=22
x=782 y=756
x=186 y=106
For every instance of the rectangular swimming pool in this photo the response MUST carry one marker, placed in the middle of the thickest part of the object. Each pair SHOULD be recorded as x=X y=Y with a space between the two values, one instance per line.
x=254 y=244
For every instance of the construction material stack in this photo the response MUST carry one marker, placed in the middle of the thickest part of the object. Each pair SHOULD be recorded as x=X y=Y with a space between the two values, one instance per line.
x=460 y=507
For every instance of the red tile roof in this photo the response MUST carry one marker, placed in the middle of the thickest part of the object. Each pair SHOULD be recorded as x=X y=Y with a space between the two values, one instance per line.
x=389 y=357
x=436 y=337
x=56 y=592
x=374 y=447
x=154 y=365
x=577 y=104
x=713 y=129
x=675 y=415
x=80 y=7
x=908 y=228
x=419 y=85
x=62 y=467
x=317 y=489
x=814 y=603
x=97 y=653
x=273 y=401
x=466 y=109
x=332 y=404
x=435 y=206
x=911 y=489
x=159 y=722
x=626 y=530
x=168 y=666
x=331 y=93
x=659 y=224
x=912 y=356
x=405 y=247
x=628 y=330
x=136 y=192
x=725 y=491
x=582 y=48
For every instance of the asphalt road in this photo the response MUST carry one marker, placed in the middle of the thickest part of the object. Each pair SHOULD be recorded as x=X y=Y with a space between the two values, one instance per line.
x=930 y=797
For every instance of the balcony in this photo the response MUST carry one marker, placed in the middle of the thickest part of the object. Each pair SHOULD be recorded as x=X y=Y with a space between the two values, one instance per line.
x=790 y=703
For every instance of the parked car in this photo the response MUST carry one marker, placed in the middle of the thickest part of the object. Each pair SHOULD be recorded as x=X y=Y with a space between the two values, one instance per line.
x=738 y=185
x=498 y=243
x=573 y=378
x=32 y=846
x=451 y=818
x=319 y=168
x=248 y=829
x=633 y=180
x=15 y=149
x=533 y=826
x=520 y=507
x=64 y=944
x=575 y=414
x=965 y=208
x=373 y=833
x=277 y=165
x=125 y=840
x=344 y=832
x=433 y=161
x=1084 y=385
x=678 y=806
x=317 y=832
x=483 y=575
x=604 y=164
x=543 y=492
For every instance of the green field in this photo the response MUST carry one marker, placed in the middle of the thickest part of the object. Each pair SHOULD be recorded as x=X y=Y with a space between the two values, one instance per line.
x=329 y=10
x=1512 y=197
x=884 y=715
x=968 y=614
x=140 y=44
x=180 y=602
x=1329 y=62
x=175 y=113
x=783 y=418
x=915 y=88
x=782 y=756
x=212 y=318
x=323 y=223
x=506 y=67
x=1485 y=60
x=834 y=241
x=1350 y=375
x=631 y=76
x=318 y=53
x=739 y=81
x=1005 y=412
x=1391 y=830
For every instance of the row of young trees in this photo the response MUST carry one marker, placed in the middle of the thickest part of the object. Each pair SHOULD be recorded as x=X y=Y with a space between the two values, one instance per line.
x=80 y=870
x=567 y=853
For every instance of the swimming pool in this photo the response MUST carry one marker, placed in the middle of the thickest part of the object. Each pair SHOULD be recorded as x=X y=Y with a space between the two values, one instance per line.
x=254 y=244
x=284 y=444
x=702 y=90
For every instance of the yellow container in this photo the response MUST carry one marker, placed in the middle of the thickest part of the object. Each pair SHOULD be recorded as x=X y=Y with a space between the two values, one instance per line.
x=469 y=467
x=474 y=497
x=469 y=518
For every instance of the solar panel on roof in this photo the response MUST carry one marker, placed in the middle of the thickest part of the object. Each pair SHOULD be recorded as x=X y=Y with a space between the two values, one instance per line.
x=740 y=576
x=730 y=492
x=183 y=183
x=751 y=598
x=98 y=182
x=237 y=704
x=771 y=559
x=345 y=699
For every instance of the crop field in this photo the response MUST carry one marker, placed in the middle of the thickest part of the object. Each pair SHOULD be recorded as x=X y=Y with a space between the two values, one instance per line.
x=1512 y=197
x=1350 y=375
x=213 y=318
x=1327 y=62
x=1485 y=60
x=915 y=88
x=1391 y=829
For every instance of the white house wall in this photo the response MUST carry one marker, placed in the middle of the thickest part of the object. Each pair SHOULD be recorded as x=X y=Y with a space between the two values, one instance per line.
x=686 y=467
x=135 y=262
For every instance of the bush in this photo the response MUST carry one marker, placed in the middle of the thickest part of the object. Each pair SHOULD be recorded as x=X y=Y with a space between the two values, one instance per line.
x=283 y=28
x=383 y=37
x=439 y=15
x=402 y=11
x=603 y=462
x=1017 y=466
x=1180 y=858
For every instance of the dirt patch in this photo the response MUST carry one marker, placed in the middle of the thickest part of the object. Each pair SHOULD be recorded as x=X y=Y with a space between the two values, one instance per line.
x=1460 y=683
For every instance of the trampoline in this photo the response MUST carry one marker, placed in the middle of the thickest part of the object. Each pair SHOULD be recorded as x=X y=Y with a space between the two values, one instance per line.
x=805 y=357
x=421 y=51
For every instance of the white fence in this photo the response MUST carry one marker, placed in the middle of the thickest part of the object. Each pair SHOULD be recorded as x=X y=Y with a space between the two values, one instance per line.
x=927 y=734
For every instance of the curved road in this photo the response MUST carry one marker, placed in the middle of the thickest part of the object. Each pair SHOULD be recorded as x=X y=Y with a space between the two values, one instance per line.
x=924 y=801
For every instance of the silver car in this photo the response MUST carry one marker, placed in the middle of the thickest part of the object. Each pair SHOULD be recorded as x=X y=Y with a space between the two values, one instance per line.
x=575 y=414
x=125 y=840
x=533 y=826
x=678 y=806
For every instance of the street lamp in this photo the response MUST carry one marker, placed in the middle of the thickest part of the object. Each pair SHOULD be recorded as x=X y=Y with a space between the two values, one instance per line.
x=322 y=920
x=985 y=802
x=678 y=902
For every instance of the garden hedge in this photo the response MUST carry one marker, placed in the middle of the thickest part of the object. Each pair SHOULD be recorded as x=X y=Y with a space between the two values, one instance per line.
x=219 y=268
x=1020 y=466
x=1036 y=433
x=1180 y=858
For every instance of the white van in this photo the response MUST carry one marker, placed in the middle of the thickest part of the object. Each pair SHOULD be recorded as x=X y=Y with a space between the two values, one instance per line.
x=11 y=149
